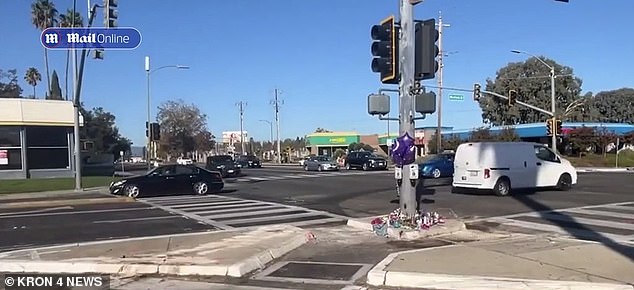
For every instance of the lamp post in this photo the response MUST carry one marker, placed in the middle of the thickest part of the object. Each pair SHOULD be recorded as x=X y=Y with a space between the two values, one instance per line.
x=553 y=106
x=149 y=109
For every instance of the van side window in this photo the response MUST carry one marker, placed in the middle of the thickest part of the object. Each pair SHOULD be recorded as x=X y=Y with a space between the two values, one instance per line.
x=545 y=154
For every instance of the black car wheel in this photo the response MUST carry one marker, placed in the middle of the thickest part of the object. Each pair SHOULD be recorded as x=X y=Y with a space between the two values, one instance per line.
x=132 y=190
x=348 y=166
x=366 y=167
x=201 y=188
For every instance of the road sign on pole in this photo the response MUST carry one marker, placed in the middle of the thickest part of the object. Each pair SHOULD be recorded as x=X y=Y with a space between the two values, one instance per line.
x=456 y=97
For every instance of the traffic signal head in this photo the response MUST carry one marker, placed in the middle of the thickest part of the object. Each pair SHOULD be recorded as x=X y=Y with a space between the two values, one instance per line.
x=385 y=50
x=558 y=128
x=111 y=13
x=512 y=97
x=476 y=92
x=549 y=127
x=155 y=131
x=426 y=50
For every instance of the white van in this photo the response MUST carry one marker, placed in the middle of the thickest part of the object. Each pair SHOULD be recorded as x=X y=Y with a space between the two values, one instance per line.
x=501 y=166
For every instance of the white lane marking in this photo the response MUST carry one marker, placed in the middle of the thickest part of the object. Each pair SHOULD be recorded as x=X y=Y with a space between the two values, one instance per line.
x=78 y=212
x=36 y=211
x=556 y=229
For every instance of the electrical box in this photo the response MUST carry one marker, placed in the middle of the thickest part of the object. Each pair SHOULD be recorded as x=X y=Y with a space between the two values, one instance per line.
x=413 y=171
x=398 y=173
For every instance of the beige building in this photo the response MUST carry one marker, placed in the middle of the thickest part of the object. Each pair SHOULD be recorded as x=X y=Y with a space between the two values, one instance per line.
x=36 y=138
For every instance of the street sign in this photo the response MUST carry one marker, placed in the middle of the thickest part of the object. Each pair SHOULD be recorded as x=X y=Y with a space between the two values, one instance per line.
x=456 y=97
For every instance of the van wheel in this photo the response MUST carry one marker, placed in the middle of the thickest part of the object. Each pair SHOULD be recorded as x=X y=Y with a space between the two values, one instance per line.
x=565 y=182
x=502 y=187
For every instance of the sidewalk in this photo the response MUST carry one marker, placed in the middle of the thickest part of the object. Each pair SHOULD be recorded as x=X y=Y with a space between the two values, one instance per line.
x=520 y=262
x=222 y=253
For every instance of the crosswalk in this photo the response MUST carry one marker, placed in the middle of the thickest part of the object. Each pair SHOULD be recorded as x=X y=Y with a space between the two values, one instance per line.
x=230 y=212
x=303 y=175
x=613 y=221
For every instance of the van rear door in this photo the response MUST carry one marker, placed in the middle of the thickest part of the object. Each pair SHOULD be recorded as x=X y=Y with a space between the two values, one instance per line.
x=467 y=166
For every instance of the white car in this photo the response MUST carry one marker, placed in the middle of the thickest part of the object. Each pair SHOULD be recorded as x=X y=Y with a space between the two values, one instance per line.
x=503 y=166
x=184 y=161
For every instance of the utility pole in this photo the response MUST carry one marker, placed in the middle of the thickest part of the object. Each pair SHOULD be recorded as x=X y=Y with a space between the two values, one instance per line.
x=276 y=104
x=441 y=55
x=406 y=102
x=241 y=106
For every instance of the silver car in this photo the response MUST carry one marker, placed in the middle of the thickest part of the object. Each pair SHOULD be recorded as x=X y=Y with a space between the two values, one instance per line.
x=320 y=163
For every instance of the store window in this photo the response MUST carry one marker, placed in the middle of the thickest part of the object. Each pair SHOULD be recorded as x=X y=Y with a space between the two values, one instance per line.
x=10 y=137
x=47 y=147
x=10 y=159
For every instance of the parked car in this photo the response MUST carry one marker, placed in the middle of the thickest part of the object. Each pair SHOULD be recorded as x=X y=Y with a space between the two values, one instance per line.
x=438 y=166
x=174 y=179
x=504 y=166
x=223 y=164
x=365 y=160
x=250 y=161
x=320 y=163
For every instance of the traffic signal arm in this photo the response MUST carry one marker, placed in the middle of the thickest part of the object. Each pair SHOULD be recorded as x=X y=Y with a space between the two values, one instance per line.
x=518 y=102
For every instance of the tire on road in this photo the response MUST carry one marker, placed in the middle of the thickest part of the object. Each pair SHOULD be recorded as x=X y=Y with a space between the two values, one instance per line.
x=502 y=186
x=436 y=173
x=565 y=182
x=132 y=190
x=201 y=188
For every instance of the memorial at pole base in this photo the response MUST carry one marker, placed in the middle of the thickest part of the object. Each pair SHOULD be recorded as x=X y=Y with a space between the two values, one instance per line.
x=403 y=152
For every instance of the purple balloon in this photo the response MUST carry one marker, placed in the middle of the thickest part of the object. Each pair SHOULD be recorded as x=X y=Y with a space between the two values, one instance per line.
x=403 y=150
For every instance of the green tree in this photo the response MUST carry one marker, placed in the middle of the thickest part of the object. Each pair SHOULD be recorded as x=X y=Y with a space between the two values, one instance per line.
x=532 y=82
x=448 y=143
x=603 y=138
x=508 y=134
x=360 y=146
x=582 y=138
x=482 y=135
x=56 y=91
x=616 y=106
x=9 y=87
x=181 y=126
x=70 y=19
x=43 y=16
x=32 y=76
x=99 y=127
x=586 y=112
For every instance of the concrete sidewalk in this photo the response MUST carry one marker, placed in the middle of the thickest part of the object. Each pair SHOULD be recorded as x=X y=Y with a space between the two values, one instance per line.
x=519 y=262
x=223 y=253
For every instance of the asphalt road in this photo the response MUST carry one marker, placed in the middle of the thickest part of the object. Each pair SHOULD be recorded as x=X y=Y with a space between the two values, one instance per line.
x=43 y=226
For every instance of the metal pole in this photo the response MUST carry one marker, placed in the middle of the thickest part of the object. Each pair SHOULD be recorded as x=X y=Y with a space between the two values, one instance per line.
x=406 y=103
x=149 y=116
x=277 y=124
x=439 y=98
x=616 y=165
x=241 y=106
x=553 y=107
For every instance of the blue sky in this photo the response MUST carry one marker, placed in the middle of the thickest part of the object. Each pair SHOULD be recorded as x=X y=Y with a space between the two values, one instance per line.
x=317 y=52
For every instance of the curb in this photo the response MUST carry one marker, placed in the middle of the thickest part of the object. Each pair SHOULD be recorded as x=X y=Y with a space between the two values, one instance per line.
x=378 y=277
x=81 y=201
x=239 y=269
x=38 y=194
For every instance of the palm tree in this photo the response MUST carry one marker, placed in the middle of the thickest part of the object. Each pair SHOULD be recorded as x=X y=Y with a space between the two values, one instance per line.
x=70 y=19
x=32 y=76
x=44 y=15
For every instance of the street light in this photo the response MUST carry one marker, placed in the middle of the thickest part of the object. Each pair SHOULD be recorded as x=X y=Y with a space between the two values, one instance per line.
x=553 y=106
x=149 y=109
x=271 y=125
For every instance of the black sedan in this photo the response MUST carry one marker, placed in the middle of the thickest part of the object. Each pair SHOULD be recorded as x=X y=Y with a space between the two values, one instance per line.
x=249 y=161
x=170 y=179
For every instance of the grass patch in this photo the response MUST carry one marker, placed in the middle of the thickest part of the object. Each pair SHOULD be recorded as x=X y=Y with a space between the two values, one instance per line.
x=626 y=159
x=51 y=184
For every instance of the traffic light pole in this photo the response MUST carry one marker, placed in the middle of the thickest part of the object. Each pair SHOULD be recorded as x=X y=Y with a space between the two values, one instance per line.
x=553 y=107
x=407 y=187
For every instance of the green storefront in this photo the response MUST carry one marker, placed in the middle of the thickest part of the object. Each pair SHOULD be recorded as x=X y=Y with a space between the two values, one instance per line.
x=328 y=143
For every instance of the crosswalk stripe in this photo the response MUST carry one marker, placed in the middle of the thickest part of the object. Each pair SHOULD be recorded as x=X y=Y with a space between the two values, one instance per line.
x=587 y=221
x=240 y=210
x=271 y=218
x=563 y=231
x=249 y=213
x=213 y=203
x=314 y=222
x=602 y=213
x=178 y=197
x=185 y=200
